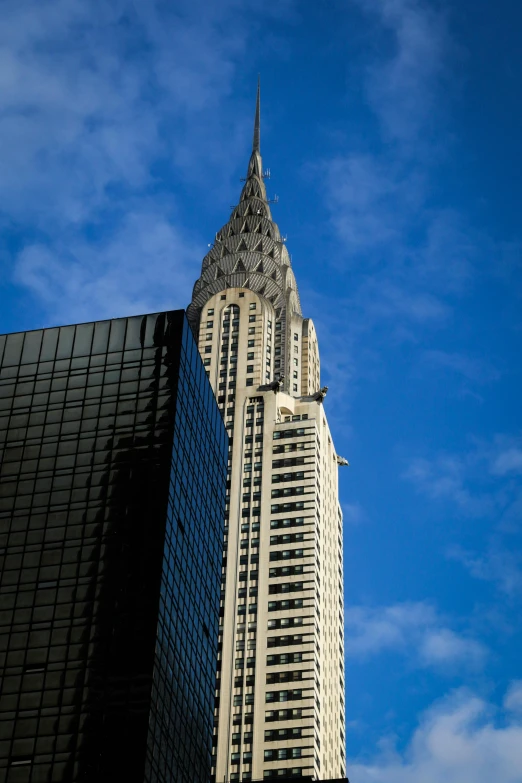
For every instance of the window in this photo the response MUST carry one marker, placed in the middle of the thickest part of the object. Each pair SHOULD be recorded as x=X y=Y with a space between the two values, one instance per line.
x=210 y=324
x=210 y=311
x=251 y=330
x=206 y=362
x=295 y=387
x=224 y=296
x=208 y=349
x=296 y=362
x=242 y=295
x=296 y=336
x=283 y=659
x=251 y=318
x=295 y=374
x=283 y=695
x=252 y=306
x=250 y=368
x=208 y=337
x=251 y=343
x=250 y=356
x=249 y=381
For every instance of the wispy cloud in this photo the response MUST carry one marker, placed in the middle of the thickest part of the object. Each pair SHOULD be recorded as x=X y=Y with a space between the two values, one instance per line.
x=445 y=479
x=147 y=263
x=481 y=482
x=418 y=255
x=403 y=88
x=353 y=513
x=495 y=564
x=461 y=739
x=472 y=368
x=513 y=697
x=507 y=461
x=415 y=630
x=478 y=481
x=105 y=107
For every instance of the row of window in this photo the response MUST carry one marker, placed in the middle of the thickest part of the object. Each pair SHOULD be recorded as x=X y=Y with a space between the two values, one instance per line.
x=284 y=523
x=288 y=447
x=285 y=753
x=289 y=772
x=283 y=659
x=285 y=571
x=290 y=603
x=276 y=715
x=288 y=587
x=278 y=477
x=294 y=694
x=288 y=491
x=286 y=641
x=298 y=431
x=278 y=508
x=286 y=538
x=273 y=678
x=285 y=622
x=286 y=554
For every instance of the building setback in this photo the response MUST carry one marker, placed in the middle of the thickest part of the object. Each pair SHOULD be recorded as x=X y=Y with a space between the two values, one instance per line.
x=112 y=487
x=280 y=681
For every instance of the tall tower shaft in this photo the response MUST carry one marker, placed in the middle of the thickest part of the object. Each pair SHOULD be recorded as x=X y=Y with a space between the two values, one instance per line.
x=280 y=682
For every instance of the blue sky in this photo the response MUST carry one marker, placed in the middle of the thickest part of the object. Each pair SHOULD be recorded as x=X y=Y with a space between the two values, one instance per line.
x=392 y=130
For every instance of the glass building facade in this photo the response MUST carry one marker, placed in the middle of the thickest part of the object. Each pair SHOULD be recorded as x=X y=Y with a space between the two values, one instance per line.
x=112 y=487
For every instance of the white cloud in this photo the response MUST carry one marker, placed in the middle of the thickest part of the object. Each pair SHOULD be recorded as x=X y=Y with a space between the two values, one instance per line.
x=513 y=697
x=403 y=89
x=440 y=646
x=412 y=629
x=445 y=479
x=458 y=740
x=416 y=256
x=508 y=460
x=473 y=368
x=496 y=564
x=146 y=264
x=353 y=513
x=104 y=107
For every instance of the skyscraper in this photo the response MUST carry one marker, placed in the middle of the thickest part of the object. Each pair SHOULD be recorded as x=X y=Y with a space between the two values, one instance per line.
x=280 y=687
x=112 y=487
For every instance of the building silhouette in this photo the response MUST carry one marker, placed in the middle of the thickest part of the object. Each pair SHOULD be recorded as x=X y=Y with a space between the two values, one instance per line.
x=280 y=707
x=112 y=485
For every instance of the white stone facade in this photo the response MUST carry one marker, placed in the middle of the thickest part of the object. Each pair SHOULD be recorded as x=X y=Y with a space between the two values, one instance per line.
x=280 y=686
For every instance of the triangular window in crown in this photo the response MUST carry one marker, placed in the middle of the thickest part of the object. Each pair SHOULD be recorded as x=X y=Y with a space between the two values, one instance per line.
x=244 y=228
x=259 y=268
x=259 y=229
x=242 y=246
x=259 y=246
x=225 y=251
x=271 y=253
x=219 y=273
x=240 y=267
x=267 y=232
x=274 y=275
x=262 y=291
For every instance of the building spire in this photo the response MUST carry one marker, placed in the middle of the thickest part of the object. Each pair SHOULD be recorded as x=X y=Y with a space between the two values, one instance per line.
x=257 y=130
